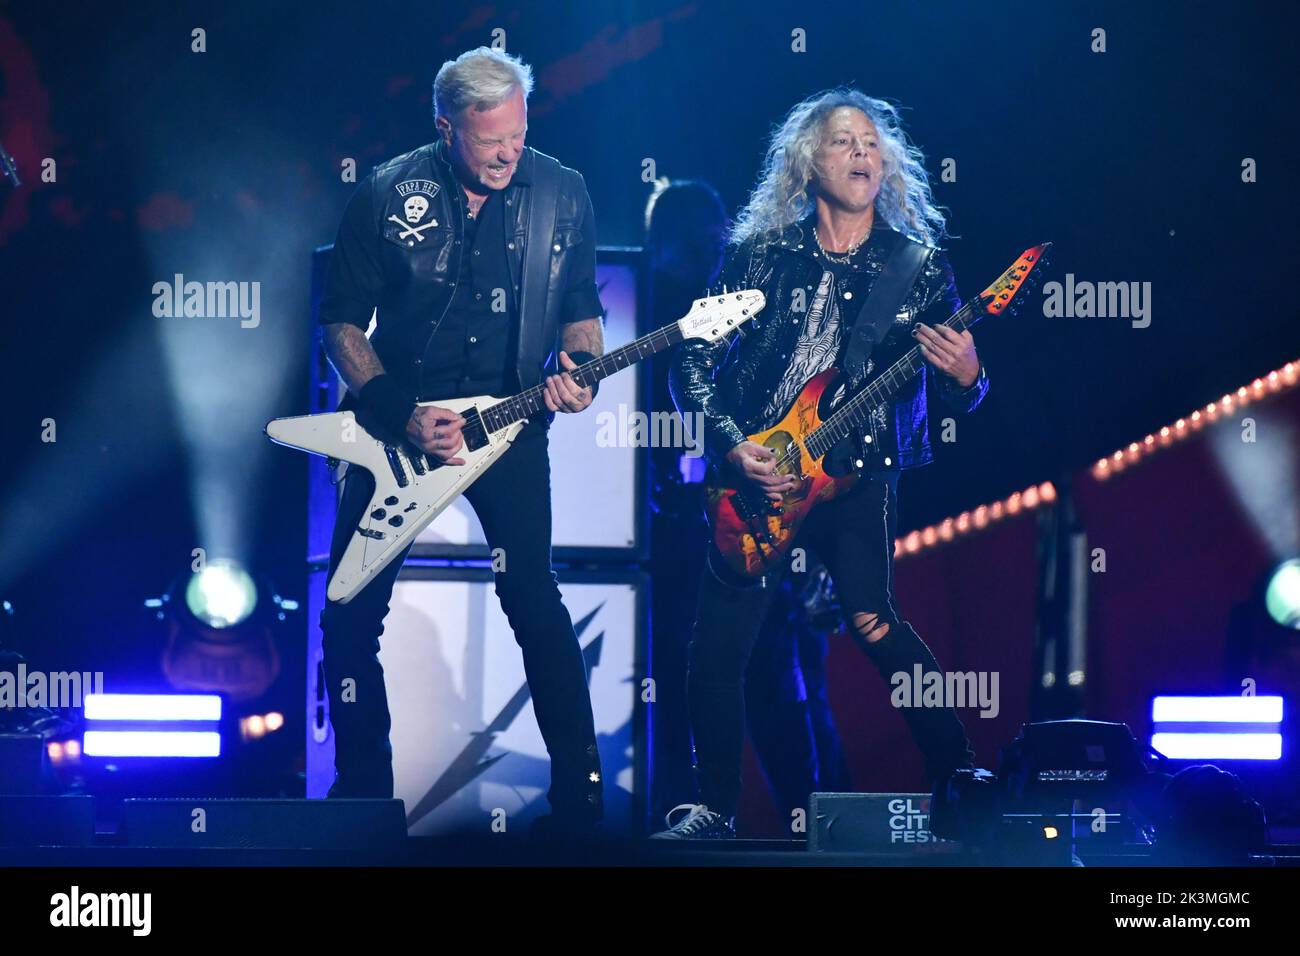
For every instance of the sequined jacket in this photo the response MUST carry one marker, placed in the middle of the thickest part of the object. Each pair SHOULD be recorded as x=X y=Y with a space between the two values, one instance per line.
x=730 y=381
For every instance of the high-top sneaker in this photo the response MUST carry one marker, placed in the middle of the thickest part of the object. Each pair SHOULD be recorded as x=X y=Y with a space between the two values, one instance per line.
x=699 y=823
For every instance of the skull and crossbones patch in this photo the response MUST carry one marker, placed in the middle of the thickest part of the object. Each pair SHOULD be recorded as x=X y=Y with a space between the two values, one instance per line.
x=417 y=199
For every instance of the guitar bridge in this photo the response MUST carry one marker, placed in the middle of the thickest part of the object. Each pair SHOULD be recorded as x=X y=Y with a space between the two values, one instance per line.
x=753 y=507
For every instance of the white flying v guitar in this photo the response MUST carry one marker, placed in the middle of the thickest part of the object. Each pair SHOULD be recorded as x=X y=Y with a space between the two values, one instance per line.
x=411 y=489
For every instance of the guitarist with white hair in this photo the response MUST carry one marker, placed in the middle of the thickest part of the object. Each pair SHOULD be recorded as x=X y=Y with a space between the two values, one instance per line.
x=837 y=237
x=478 y=256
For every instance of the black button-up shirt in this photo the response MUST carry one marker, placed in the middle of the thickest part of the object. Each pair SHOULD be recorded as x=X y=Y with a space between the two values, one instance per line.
x=468 y=346
x=471 y=350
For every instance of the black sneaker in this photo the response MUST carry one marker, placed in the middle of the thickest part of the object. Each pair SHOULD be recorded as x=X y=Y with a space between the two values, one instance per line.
x=700 y=823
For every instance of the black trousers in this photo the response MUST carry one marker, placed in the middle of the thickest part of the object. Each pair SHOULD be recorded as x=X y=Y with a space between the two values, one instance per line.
x=788 y=712
x=854 y=536
x=513 y=502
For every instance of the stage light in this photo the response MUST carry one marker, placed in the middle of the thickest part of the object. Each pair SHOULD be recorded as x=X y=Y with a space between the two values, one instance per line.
x=255 y=726
x=1217 y=710
x=1274 y=382
x=1225 y=728
x=220 y=630
x=222 y=594
x=1051 y=833
x=970 y=521
x=1203 y=746
x=152 y=743
x=140 y=707
x=187 y=725
x=1282 y=594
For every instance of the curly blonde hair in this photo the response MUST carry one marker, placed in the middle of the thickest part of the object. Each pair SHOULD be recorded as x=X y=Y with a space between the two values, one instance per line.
x=781 y=197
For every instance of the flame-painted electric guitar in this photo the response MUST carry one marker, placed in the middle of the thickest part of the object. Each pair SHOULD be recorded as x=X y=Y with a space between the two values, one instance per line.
x=751 y=531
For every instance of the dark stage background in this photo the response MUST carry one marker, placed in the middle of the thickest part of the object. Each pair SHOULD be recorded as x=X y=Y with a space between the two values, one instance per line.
x=225 y=165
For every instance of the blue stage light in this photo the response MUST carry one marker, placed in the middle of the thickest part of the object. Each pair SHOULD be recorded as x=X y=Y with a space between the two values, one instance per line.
x=153 y=707
x=1217 y=728
x=152 y=743
x=180 y=725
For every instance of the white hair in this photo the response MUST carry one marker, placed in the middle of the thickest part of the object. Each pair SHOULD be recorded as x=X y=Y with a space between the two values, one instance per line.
x=482 y=79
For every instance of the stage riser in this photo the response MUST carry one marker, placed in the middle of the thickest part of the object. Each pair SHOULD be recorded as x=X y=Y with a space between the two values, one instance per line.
x=263 y=824
x=29 y=821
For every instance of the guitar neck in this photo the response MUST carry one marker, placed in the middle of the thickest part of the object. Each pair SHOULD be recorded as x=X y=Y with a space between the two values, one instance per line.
x=531 y=402
x=855 y=412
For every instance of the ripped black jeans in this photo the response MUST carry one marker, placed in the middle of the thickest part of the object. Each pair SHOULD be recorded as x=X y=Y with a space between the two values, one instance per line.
x=854 y=536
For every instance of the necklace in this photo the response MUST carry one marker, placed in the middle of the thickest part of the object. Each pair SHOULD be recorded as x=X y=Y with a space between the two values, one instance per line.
x=840 y=257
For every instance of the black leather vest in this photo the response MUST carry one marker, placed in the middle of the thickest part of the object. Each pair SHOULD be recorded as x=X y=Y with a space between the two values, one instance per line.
x=422 y=267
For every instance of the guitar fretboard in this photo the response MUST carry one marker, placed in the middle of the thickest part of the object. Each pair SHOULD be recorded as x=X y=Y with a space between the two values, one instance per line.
x=855 y=412
x=531 y=401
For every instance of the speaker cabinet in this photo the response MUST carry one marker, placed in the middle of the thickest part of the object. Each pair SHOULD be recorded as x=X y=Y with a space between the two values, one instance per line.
x=466 y=748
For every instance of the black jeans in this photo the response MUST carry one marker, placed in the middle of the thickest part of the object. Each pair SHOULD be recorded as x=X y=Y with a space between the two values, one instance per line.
x=788 y=712
x=513 y=502
x=854 y=536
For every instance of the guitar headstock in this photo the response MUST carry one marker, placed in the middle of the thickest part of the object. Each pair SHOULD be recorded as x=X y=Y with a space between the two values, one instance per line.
x=713 y=317
x=1023 y=275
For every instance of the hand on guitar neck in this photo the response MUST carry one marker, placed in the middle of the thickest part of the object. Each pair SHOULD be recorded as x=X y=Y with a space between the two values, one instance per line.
x=949 y=351
x=757 y=463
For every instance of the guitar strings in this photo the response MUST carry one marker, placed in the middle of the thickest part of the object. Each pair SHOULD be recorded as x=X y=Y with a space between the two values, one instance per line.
x=862 y=401
x=529 y=401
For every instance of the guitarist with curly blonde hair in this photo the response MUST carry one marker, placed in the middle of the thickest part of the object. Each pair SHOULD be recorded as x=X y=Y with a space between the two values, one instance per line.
x=842 y=216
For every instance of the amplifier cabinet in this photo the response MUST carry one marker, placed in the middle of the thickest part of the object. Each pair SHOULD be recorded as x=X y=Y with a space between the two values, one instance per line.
x=466 y=748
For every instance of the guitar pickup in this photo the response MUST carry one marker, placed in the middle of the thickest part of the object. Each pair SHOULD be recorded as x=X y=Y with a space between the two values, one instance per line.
x=395 y=463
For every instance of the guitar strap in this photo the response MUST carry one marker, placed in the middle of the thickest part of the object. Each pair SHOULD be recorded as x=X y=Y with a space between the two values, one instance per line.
x=540 y=233
x=883 y=302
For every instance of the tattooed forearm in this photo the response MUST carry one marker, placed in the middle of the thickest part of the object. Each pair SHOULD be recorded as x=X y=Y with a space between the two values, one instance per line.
x=583 y=336
x=351 y=355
